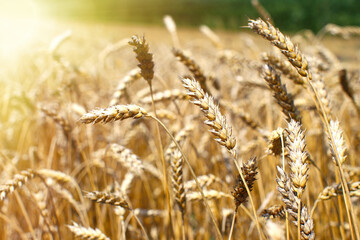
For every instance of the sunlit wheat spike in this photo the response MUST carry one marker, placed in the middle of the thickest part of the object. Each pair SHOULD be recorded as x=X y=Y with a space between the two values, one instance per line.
x=298 y=157
x=146 y=64
x=107 y=198
x=293 y=54
x=18 y=181
x=215 y=120
x=339 y=142
x=292 y=205
x=113 y=113
x=87 y=233
x=249 y=171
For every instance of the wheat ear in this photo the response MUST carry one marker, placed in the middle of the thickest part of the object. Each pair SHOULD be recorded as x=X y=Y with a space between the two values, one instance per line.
x=284 y=67
x=193 y=67
x=87 y=233
x=215 y=120
x=178 y=181
x=293 y=54
x=146 y=64
x=113 y=113
x=284 y=99
x=293 y=206
x=249 y=170
x=18 y=181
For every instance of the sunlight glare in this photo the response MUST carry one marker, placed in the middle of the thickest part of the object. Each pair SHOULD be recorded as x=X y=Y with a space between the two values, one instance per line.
x=18 y=25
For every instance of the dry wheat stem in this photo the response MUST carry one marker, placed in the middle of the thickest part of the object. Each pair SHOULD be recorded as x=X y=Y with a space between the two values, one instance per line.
x=218 y=233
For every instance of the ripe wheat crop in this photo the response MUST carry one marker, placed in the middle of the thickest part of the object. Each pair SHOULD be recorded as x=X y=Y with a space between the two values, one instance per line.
x=183 y=134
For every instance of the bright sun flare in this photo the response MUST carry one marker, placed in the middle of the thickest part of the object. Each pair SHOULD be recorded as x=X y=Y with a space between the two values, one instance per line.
x=18 y=25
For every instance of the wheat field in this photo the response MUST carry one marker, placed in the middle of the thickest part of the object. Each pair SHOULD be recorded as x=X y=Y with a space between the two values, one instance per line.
x=139 y=132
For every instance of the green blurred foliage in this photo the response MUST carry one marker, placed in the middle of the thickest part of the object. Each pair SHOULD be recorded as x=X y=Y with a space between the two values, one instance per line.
x=289 y=15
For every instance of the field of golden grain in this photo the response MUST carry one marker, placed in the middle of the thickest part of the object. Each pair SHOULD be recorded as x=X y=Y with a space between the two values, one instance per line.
x=139 y=132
